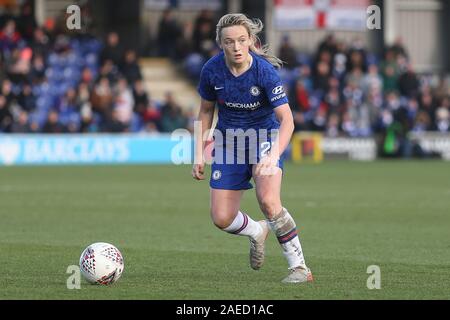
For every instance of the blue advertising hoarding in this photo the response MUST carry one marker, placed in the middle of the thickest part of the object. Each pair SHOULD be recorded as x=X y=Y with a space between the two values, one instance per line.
x=94 y=149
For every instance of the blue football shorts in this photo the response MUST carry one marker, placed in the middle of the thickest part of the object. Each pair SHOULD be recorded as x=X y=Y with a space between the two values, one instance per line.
x=232 y=165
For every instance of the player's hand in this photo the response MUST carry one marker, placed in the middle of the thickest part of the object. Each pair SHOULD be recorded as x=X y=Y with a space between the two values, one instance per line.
x=198 y=171
x=267 y=166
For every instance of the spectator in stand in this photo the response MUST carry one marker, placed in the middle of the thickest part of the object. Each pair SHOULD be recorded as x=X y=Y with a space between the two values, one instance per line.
x=184 y=45
x=150 y=127
x=22 y=124
x=40 y=43
x=171 y=115
x=88 y=124
x=7 y=8
x=87 y=78
x=102 y=98
x=110 y=71
x=203 y=44
x=304 y=74
x=130 y=68
x=369 y=113
x=84 y=95
x=348 y=126
x=402 y=63
x=169 y=32
x=37 y=73
x=443 y=116
x=372 y=80
x=2 y=68
x=49 y=28
x=114 y=124
x=326 y=57
x=113 y=50
x=62 y=46
x=329 y=44
x=357 y=56
x=355 y=77
x=392 y=101
x=340 y=61
x=18 y=65
x=6 y=118
x=411 y=108
x=333 y=96
x=422 y=122
x=88 y=19
x=9 y=37
x=204 y=34
x=357 y=116
x=26 y=22
x=332 y=128
x=353 y=93
x=322 y=69
x=123 y=103
x=319 y=120
x=26 y=99
x=69 y=111
x=52 y=125
x=390 y=72
x=427 y=104
x=6 y=91
x=205 y=16
x=443 y=88
x=321 y=75
x=141 y=100
x=398 y=48
x=288 y=54
x=151 y=117
x=300 y=105
x=300 y=98
x=408 y=83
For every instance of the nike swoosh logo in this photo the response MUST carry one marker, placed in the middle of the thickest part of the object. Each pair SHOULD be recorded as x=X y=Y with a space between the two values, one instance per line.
x=218 y=88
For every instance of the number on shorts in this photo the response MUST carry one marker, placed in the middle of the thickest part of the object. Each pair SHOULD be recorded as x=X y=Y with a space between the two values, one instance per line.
x=265 y=146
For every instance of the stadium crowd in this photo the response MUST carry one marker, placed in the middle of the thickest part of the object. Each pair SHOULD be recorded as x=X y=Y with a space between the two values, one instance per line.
x=55 y=82
x=342 y=88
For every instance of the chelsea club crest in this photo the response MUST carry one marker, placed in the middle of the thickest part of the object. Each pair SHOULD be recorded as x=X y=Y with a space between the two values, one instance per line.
x=255 y=91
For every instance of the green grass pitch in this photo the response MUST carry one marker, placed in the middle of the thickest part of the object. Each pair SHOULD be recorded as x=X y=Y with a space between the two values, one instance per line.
x=350 y=215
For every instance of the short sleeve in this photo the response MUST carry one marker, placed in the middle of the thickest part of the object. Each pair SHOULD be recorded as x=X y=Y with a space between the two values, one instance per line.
x=274 y=87
x=205 y=88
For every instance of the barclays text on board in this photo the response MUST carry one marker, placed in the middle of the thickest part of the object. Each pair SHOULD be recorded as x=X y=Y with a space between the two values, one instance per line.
x=86 y=149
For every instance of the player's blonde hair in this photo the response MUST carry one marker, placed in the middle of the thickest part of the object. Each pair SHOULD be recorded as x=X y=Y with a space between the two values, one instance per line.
x=253 y=26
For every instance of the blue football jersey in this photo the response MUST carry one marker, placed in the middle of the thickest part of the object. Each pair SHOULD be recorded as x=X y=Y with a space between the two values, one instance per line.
x=247 y=101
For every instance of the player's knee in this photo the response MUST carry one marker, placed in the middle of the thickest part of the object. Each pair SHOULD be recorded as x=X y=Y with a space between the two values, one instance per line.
x=270 y=207
x=221 y=223
x=221 y=219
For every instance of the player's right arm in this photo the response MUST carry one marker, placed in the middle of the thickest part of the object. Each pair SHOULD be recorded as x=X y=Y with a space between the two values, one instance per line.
x=205 y=117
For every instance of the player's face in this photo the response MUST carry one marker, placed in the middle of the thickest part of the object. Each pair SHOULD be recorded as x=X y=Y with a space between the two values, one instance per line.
x=236 y=44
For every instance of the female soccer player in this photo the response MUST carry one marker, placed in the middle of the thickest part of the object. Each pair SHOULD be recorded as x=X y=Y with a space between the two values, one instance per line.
x=252 y=104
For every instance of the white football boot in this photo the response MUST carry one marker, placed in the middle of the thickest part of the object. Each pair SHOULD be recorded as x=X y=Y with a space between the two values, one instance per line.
x=299 y=275
x=257 y=247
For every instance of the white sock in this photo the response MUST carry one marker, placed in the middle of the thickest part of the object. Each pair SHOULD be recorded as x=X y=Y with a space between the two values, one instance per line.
x=243 y=225
x=286 y=231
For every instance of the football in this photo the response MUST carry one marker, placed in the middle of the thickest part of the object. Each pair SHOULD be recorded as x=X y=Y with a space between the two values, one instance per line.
x=101 y=263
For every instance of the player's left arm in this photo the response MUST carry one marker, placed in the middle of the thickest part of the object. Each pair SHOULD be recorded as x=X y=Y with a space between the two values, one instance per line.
x=268 y=164
x=278 y=100
x=284 y=116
